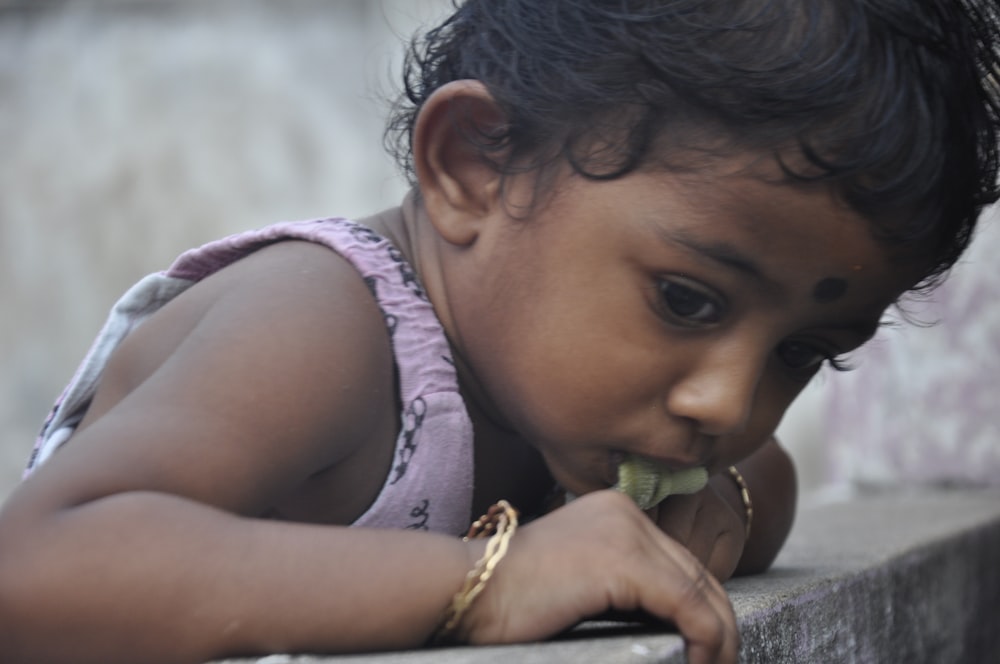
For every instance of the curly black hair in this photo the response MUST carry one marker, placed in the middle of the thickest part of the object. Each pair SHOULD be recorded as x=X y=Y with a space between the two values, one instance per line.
x=896 y=103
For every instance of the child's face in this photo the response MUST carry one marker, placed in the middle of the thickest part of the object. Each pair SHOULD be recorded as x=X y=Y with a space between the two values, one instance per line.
x=671 y=316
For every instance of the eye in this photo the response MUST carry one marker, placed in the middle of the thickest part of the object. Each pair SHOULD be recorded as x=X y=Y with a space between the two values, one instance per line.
x=688 y=305
x=807 y=357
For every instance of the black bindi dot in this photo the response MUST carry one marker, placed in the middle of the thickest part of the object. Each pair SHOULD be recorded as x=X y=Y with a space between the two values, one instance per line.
x=829 y=289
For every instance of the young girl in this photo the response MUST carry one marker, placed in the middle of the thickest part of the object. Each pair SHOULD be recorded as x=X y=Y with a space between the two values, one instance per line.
x=637 y=230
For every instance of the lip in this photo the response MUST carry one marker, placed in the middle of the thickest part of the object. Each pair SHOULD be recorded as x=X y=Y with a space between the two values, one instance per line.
x=615 y=459
x=609 y=477
x=677 y=452
x=672 y=463
x=580 y=479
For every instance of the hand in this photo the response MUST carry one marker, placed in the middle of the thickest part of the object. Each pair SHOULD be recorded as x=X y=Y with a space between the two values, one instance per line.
x=597 y=554
x=707 y=525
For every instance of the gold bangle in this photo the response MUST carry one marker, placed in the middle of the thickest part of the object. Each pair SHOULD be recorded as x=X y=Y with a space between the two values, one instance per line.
x=744 y=496
x=500 y=521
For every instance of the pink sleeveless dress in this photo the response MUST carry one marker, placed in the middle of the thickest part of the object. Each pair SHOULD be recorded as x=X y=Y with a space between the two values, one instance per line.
x=429 y=486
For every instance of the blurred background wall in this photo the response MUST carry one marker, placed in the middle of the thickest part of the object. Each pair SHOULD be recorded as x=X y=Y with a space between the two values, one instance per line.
x=131 y=130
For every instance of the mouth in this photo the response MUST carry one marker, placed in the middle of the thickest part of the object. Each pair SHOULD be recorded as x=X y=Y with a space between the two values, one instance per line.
x=648 y=482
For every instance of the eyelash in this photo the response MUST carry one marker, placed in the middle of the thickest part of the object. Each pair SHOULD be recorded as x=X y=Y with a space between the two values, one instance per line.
x=838 y=363
x=665 y=286
x=835 y=361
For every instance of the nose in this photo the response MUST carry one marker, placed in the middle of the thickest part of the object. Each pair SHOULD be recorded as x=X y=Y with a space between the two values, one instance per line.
x=718 y=390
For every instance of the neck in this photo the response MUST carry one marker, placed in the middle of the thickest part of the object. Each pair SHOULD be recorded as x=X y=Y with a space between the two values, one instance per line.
x=398 y=225
x=506 y=466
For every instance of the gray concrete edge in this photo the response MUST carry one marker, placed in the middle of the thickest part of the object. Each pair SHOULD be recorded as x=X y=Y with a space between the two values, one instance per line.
x=908 y=576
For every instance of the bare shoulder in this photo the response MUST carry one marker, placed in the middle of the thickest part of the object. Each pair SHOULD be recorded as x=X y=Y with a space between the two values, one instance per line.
x=258 y=378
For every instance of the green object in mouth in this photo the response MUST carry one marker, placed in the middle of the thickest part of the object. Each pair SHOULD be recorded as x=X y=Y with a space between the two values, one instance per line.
x=647 y=483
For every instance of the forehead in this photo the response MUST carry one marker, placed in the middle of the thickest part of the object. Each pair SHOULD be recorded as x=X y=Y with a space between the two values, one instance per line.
x=746 y=216
x=790 y=230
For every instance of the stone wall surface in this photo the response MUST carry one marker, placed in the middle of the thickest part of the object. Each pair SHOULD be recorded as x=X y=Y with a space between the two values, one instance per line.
x=922 y=405
x=135 y=129
x=886 y=577
x=132 y=130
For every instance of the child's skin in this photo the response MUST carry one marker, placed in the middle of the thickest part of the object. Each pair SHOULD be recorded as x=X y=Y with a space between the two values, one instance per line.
x=680 y=332
x=641 y=239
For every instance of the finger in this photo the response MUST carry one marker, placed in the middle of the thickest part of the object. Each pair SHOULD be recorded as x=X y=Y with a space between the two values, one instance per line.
x=676 y=516
x=682 y=590
x=725 y=555
x=666 y=580
x=689 y=556
x=700 y=608
x=708 y=624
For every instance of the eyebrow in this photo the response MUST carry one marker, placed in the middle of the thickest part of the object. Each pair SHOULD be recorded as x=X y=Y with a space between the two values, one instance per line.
x=719 y=252
x=727 y=255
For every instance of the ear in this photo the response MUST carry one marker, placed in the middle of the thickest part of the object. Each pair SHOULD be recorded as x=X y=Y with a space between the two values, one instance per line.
x=459 y=187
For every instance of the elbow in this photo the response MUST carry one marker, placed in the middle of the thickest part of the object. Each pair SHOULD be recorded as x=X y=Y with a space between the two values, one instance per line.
x=31 y=591
x=19 y=597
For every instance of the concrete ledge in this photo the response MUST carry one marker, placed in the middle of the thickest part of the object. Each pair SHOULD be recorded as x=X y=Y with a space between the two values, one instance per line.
x=882 y=577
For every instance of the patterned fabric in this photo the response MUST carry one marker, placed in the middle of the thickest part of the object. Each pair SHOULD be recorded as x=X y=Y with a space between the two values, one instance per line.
x=429 y=486
x=924 y=404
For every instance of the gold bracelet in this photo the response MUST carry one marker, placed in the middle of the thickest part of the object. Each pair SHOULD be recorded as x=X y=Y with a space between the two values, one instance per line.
x=500 y=521
x=744 y=496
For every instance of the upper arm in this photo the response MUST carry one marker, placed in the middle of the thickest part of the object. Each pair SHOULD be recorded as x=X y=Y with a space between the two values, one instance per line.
x=261 y=375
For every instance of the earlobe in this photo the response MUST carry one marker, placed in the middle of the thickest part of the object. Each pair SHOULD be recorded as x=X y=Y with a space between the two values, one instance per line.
x=458 y=184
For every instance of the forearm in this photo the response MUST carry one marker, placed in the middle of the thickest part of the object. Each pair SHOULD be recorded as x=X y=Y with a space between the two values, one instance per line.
x=163 y=579
x=770 y=477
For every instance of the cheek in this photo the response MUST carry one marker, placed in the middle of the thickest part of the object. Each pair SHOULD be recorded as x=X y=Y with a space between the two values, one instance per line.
x=570 y=382
x=770 y=406
x=566 y=354
x=565 y=387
